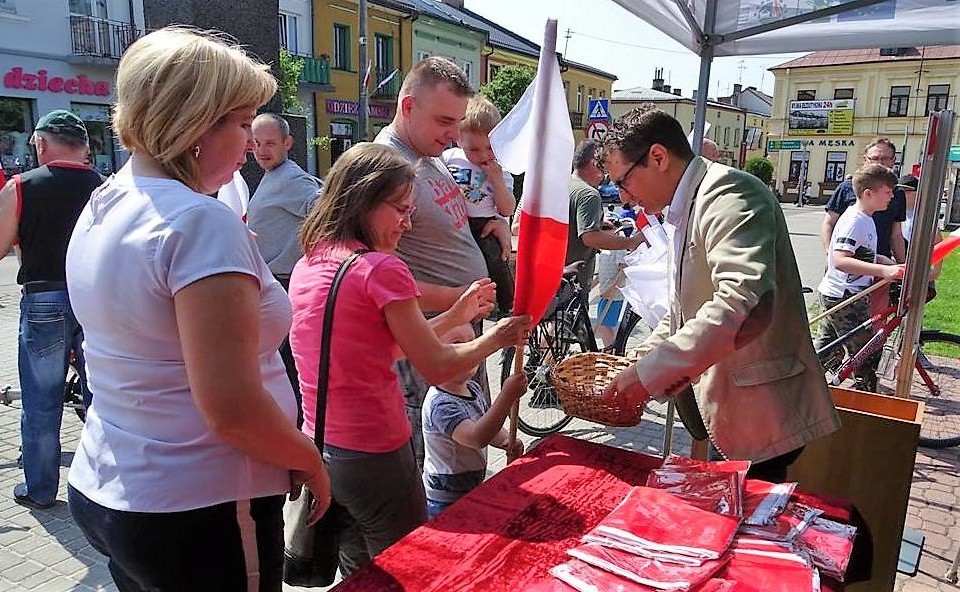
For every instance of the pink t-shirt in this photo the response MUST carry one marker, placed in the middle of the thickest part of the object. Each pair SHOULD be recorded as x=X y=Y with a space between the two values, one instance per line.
x=365 y=406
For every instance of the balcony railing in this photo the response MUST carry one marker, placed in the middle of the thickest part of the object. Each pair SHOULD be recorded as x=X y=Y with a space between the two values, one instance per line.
x=100 y=38
x=576 y=120
x=391 y=89
x=315 y=70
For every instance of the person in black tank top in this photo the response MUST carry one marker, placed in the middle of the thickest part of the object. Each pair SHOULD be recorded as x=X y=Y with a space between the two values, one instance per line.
x=38 y=210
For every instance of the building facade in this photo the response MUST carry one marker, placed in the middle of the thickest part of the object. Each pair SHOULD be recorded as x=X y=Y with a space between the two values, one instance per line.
x=335 y=38
x=62 y=55
x=295 y=34
x=828 y=106
x=732 y=128
x=438 y=32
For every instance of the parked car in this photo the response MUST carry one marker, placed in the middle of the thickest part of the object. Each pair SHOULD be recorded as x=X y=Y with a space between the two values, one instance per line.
x=609 y=194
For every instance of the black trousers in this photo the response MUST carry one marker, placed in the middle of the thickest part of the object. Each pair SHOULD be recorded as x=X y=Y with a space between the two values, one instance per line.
x=497 y=267
x=229 y=547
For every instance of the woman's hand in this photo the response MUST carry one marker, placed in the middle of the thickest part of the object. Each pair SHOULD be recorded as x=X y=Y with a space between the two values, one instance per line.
x=511 y=331
x=476 y=302
x=319 y=485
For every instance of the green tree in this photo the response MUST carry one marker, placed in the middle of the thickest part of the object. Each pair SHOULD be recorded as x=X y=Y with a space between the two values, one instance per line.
x=507 y=86
x=290 y=69
x=760 y=168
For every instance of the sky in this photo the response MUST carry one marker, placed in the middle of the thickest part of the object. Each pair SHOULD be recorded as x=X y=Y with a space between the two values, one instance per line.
x=605 y=36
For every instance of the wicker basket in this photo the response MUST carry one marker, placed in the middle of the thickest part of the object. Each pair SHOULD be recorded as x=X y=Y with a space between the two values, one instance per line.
x=579 y=381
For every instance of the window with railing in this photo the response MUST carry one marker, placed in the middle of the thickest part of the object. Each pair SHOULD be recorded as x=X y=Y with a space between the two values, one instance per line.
x=315 y=70
x=98 y=37
x=388 y=83
x=899 y=101
x=937 y=95
x=341 y=47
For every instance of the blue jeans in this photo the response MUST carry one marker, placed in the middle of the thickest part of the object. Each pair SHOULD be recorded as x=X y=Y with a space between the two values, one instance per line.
x=48 y=333
x=434 y=508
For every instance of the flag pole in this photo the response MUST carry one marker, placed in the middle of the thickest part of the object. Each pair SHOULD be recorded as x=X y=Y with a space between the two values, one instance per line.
x=515 y=408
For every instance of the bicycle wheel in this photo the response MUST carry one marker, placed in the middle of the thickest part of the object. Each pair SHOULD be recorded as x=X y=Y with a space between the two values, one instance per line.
x=550 y=342
x=937 y=384
x=73 y=394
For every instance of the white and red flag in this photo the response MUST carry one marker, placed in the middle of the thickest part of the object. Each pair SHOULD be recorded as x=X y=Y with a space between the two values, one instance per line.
x=536 y=138
x=945 y=247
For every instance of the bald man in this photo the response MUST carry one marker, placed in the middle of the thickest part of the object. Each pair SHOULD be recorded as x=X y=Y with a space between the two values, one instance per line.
x=710 y=150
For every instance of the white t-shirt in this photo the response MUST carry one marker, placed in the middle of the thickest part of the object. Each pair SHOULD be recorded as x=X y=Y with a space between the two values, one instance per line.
x=855 y=233
x=145 y=446
x=472 y=181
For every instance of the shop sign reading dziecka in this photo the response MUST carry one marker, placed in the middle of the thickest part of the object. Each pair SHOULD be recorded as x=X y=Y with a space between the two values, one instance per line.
x=16 y=78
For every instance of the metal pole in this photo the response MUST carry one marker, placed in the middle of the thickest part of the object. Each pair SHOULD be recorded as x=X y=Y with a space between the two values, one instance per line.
x=706 y=61
x=933 y=167
x=362 y=71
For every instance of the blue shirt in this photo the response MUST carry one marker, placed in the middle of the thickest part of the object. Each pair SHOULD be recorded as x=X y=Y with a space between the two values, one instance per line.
x=843 y=196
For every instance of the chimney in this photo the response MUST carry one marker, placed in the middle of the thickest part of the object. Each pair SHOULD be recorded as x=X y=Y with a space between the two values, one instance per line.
x=677 y=92
x=666 y=88
x=694 y=94
x=737 y=89
x=658 y=79
x=454 y=3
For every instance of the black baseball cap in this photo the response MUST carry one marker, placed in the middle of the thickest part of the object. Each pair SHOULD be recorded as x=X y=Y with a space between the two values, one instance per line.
x=63 y=123
x=908 y=182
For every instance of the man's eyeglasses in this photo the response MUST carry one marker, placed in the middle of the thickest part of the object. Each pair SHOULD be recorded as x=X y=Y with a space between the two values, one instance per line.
x=405 y=212
x=620 y=182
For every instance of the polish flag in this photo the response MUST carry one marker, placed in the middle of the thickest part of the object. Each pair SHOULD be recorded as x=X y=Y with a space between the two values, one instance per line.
x=536 y=138
x=945 y=247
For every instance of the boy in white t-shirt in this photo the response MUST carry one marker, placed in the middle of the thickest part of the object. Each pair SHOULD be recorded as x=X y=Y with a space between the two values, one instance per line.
x=487 y=190
x=852 y=265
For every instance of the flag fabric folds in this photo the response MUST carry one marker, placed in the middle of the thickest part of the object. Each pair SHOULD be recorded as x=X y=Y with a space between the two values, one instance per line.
x=536 y=138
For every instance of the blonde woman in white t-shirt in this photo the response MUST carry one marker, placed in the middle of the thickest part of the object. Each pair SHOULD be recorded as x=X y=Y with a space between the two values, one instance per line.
x=190 y=445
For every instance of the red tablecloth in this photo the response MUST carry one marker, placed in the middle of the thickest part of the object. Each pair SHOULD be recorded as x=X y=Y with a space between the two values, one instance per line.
x=511 y=530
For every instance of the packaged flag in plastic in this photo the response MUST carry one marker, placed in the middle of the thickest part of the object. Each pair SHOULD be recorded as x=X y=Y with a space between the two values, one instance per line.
x=656 y=520
x=657 y=574
x=771 y=571
x=829 y=544
x=763 y=501
x=787 y=526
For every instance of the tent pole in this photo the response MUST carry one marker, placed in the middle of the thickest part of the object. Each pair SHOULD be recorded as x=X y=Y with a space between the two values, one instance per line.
x=706 y=61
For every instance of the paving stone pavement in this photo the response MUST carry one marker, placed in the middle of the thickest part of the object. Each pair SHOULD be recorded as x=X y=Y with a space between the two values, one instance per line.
x=44 y=551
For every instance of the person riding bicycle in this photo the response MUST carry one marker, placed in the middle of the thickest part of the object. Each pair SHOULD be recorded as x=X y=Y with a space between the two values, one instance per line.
x=852 y=263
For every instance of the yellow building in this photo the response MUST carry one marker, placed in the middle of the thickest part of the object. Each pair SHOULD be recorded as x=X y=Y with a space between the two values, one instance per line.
x=828 y=105
x=335 y=34
x=506 y=48
x=729 y=125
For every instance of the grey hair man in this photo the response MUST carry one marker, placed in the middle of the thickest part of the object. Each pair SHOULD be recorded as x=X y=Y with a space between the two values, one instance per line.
x=38 y=209
x=277 y=209
x=586 y=233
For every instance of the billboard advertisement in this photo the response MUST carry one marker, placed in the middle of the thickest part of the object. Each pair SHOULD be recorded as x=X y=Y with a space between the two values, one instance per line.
x=821 y=118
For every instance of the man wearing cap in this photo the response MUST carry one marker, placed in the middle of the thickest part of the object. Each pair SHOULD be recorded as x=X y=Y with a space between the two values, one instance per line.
x=38 y=210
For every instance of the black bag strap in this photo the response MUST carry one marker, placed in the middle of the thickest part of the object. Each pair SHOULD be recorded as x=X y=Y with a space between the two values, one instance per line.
x=325 y=338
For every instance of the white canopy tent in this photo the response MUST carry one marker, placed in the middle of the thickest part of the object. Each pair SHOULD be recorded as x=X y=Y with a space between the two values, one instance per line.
x=715 y=28
x=712 y=28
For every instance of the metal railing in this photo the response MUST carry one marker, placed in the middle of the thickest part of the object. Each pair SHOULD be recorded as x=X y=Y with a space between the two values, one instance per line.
x=97 y=37
x=390 y=89
x=315 y=70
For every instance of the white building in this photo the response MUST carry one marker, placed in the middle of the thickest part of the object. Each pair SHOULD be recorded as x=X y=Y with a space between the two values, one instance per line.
x=62 y=55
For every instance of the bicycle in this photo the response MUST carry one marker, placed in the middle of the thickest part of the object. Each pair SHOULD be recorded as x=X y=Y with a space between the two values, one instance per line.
x=564 y=330
x=936 y=380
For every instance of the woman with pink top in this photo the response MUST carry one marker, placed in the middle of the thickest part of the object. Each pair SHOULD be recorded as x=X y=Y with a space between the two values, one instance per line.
x=365 y=206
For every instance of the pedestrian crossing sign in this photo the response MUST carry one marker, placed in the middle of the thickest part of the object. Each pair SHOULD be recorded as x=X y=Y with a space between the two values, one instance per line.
x=599 y=109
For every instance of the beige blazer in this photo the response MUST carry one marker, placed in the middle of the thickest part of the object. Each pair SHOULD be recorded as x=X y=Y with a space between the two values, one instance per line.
x=738 y=324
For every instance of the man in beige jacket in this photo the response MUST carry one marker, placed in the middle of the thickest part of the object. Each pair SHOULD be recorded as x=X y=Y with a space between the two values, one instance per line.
x=737 y=326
